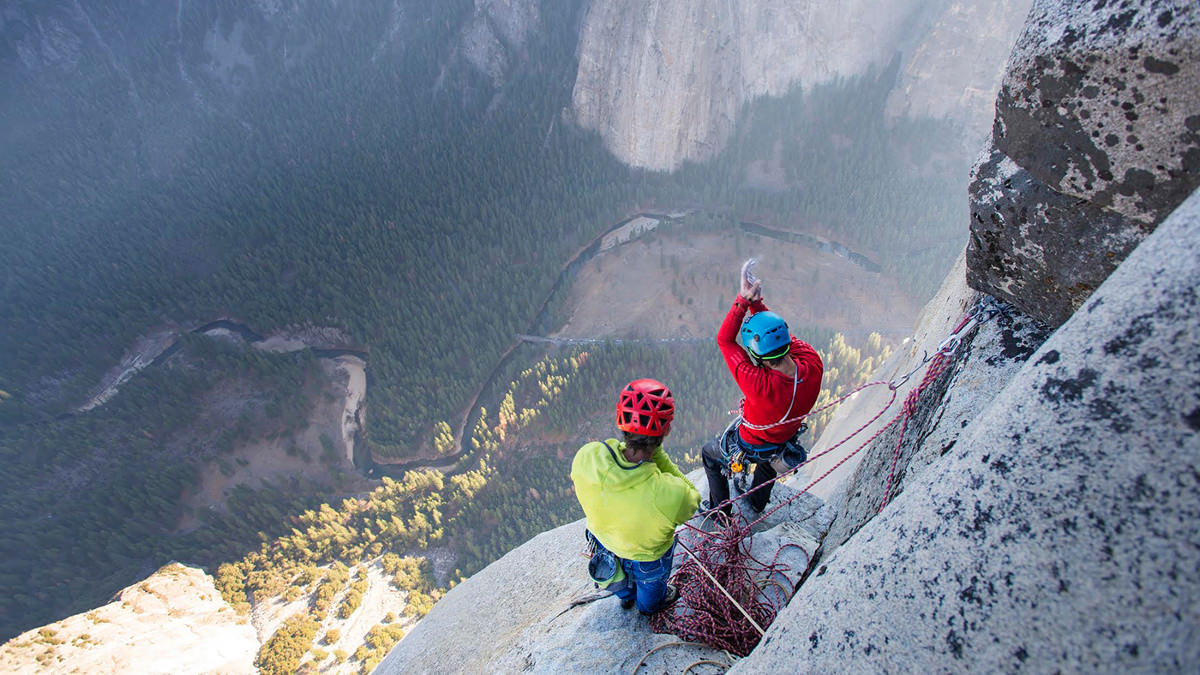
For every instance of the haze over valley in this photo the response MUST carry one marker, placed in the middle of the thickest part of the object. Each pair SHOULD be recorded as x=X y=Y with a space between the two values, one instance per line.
x=381 y=203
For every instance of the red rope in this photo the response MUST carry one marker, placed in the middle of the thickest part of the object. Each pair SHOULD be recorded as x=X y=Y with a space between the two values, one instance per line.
x=703 y=612
x=909 y=409
x=939 y=364
x=706 y=614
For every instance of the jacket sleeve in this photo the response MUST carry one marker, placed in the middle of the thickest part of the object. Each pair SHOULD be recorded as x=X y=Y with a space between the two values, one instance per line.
x=665 y=465
x=727 y=334
x=678 y=498
x=750 y=379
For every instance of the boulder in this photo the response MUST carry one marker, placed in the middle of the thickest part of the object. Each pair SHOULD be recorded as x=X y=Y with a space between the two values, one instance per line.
x=1096 y=140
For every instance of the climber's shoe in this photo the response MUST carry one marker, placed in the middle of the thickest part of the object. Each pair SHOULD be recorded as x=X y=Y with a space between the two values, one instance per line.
x=706 y=510
x=671 y=596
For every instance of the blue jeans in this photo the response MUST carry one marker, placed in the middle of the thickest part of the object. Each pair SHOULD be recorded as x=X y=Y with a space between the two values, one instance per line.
x=645 y=580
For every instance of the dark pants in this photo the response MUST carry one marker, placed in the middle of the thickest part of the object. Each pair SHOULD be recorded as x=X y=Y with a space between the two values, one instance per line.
x=718 y=485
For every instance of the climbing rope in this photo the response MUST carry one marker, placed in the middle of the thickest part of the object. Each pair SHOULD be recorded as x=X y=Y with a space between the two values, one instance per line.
x=984 y=310
x=721 y=603
x=722 y=600
x=722 y=664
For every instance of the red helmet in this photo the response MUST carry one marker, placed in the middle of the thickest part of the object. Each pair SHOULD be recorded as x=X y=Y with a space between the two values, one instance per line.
x=645 y=407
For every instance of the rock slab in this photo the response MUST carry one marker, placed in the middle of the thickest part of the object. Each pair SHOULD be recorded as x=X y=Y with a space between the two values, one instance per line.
x=1062 y=531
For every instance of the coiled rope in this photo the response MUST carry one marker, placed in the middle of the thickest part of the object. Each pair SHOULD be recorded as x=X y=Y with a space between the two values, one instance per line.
x=727 y=597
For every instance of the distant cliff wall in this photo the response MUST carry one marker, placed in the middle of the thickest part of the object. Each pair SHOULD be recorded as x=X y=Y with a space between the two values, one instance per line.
x=663 y=82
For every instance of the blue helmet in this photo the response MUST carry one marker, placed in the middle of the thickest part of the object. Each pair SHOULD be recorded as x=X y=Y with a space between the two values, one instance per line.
x=766 y=335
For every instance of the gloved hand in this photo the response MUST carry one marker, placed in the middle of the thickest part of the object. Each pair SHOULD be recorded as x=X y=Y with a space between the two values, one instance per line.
x=751 y=287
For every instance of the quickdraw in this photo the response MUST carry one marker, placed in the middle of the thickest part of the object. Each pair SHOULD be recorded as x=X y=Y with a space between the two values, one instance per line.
x=985 y=310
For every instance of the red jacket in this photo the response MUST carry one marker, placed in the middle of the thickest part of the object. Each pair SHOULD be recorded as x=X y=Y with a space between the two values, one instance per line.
x=768 y=392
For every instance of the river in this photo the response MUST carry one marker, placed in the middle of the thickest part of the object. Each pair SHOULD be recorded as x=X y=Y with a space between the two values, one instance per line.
x=363 y=460
x=152 y=351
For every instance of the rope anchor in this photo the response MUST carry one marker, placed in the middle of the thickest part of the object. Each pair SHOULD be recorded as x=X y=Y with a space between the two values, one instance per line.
x=985 y=310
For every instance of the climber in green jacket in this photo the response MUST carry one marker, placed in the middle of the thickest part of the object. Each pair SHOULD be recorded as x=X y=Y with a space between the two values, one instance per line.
x=634 y=497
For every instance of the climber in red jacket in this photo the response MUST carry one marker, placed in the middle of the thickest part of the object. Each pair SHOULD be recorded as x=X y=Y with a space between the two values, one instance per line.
x=780 y=377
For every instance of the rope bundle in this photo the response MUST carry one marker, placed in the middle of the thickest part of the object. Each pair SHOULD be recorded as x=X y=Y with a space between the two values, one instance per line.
x=729 y=614
x=726 y=597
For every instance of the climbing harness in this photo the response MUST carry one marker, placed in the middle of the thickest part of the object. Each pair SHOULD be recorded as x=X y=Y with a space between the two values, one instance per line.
x=738 y=461
x=734 y=464
x=733 y=616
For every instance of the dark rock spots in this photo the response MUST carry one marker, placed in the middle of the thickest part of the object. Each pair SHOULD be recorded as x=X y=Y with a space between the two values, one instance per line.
x=1039 y=270
x=983 y=517
x=955 y=643
x=1068 y=390
x=1019 y=341
x=1124 y=344
x=1191 y=161
x=1137 y=181
x=1001 y=467
x=1119 y=23
x=1068 y=525
x=1154 y=65
x=1141 y=489
x=1049 y=357
x=1108 y=131
x=1107 y=409
x=971 y=594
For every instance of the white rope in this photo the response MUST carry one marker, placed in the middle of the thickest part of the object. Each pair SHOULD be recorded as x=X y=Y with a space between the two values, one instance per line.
x=782 y=420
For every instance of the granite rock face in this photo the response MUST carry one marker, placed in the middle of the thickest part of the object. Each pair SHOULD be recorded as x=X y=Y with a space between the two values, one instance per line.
x=955 y=69
x=663 y=82
x=993 y=351
x=174 y=621
x=494 y=35
x=1096 y=140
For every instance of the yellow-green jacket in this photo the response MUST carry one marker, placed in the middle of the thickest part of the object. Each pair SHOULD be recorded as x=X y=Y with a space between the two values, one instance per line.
x=632 y=509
